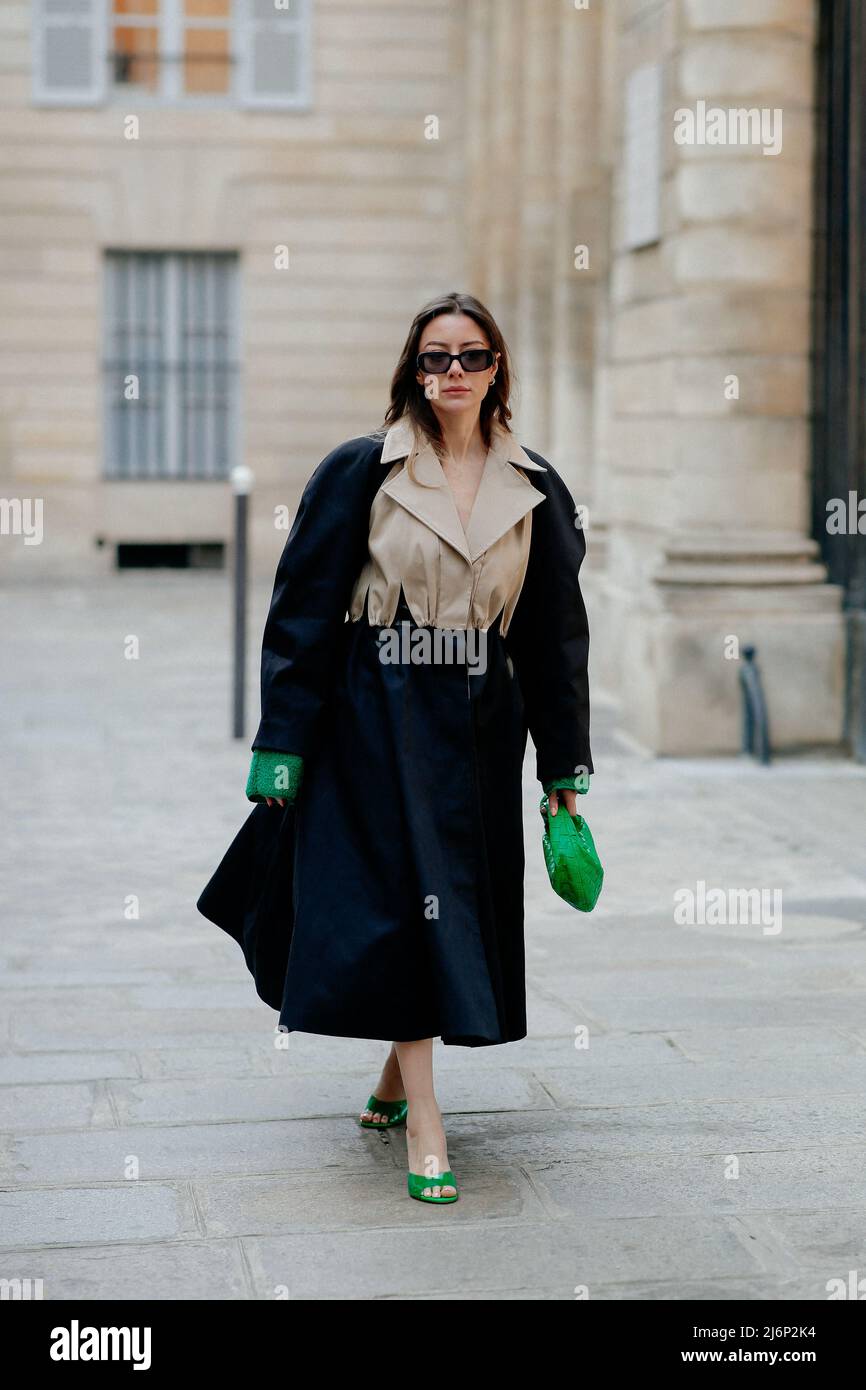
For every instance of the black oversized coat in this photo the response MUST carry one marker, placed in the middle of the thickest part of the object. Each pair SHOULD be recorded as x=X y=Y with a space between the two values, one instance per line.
x=388 y=901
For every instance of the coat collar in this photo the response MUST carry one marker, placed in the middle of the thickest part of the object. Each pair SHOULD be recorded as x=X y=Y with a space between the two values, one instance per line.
x=504 y=496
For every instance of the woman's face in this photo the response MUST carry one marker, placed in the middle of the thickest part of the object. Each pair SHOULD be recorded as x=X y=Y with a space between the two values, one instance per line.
x=455 y=392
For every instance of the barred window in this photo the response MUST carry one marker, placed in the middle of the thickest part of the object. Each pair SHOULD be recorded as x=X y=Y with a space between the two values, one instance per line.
x=170 y=367
x=252 y=52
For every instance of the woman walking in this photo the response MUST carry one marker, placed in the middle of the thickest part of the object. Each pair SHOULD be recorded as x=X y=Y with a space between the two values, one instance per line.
x=377 y=887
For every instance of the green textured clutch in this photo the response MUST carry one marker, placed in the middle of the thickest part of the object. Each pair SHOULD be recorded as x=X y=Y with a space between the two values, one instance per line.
x=573 y=865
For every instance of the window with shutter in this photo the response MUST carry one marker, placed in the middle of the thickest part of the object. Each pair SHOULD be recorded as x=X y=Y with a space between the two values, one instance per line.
x=177 y=52
x=69 y=58
x=276 y=53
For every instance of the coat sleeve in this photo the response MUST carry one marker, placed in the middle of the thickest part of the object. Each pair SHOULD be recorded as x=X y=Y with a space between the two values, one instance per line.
x=548 y=638
x=274 y=774
x=323 y=555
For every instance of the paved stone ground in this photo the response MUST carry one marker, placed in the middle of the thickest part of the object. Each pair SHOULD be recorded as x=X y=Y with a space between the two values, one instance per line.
x=710 y=1142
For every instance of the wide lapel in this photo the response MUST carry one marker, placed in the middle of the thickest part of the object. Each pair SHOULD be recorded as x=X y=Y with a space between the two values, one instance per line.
x=503 y=497
x=427 y=496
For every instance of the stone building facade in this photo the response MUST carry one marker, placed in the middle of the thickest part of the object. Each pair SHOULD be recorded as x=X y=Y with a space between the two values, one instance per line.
x=657 y=295
x=699 y=499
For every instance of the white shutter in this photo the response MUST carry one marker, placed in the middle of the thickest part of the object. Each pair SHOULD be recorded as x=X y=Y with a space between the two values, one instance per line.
x=69 y=51
x=275 y=48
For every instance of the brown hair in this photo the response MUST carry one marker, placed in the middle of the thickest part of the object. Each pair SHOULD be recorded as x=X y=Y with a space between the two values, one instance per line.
x=407 y=394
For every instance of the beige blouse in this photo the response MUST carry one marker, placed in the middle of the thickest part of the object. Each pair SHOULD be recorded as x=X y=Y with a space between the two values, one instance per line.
x=451 y=577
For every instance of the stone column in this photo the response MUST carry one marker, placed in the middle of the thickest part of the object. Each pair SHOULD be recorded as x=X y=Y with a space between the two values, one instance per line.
x=581 y=218
x=709 y=413
x=537 y=250
x=496 y=221
x=534 y=190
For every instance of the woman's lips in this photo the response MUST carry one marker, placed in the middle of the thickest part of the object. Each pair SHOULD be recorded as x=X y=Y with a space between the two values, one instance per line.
x=456 y=391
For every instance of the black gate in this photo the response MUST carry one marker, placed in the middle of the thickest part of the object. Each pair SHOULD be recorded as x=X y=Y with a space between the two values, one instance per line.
x=839 y=328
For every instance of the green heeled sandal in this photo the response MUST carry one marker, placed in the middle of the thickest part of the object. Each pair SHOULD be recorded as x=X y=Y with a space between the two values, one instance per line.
x=417 y=1184
x=396 y=1110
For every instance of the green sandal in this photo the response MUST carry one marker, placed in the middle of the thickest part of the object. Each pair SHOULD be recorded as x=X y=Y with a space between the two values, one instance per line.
x=417 y=1185
x=396 y=1110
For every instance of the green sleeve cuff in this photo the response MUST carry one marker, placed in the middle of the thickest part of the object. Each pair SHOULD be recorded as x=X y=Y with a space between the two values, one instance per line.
x=574 y=783
x=274 y=774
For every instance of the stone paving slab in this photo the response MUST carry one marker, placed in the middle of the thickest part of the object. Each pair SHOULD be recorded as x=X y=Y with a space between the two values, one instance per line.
x=658 y=943
x=307 y=1053
x=203 y=1269
x=319 y=1094
x=590 y=990
x=832 y=1239
x=337 y=1200
x=66 y=1216
x=706 y=1081
x=33 y=1067
x=693 y=1128
x=348 y=1264
x=243 y=1058
x=54 y=1107
x=784 y=1181
x=745 y=1044
x=673 y=1013
x=180 y=1151
x=84 y=1030
x=767 y=1287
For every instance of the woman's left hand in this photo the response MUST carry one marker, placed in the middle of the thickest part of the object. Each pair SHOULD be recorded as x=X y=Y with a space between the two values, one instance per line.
x=570 y=798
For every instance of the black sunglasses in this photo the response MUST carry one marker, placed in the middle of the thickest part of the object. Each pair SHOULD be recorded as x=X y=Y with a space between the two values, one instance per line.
x=472 y=360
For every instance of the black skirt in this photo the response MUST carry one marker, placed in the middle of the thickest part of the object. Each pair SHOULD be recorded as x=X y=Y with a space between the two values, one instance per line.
x=388 y=902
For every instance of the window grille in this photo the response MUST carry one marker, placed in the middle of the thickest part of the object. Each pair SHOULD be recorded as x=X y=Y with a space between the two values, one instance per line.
x=170 y=369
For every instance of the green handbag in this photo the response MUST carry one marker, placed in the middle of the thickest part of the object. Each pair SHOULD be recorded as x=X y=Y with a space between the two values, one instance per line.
x=573 y=865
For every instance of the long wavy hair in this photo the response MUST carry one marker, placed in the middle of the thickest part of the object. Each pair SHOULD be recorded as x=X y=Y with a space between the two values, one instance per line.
x=407 y=394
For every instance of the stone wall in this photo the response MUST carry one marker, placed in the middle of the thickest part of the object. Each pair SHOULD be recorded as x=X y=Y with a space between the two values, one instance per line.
x=708 y=490
x=697 y=493
x=370 y=210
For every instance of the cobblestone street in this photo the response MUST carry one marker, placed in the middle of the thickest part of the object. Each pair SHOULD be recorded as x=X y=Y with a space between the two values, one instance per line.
x=709 y=1141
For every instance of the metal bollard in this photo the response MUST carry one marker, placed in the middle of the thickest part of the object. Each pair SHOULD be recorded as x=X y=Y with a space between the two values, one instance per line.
x=756 y=728
x=242 y=481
